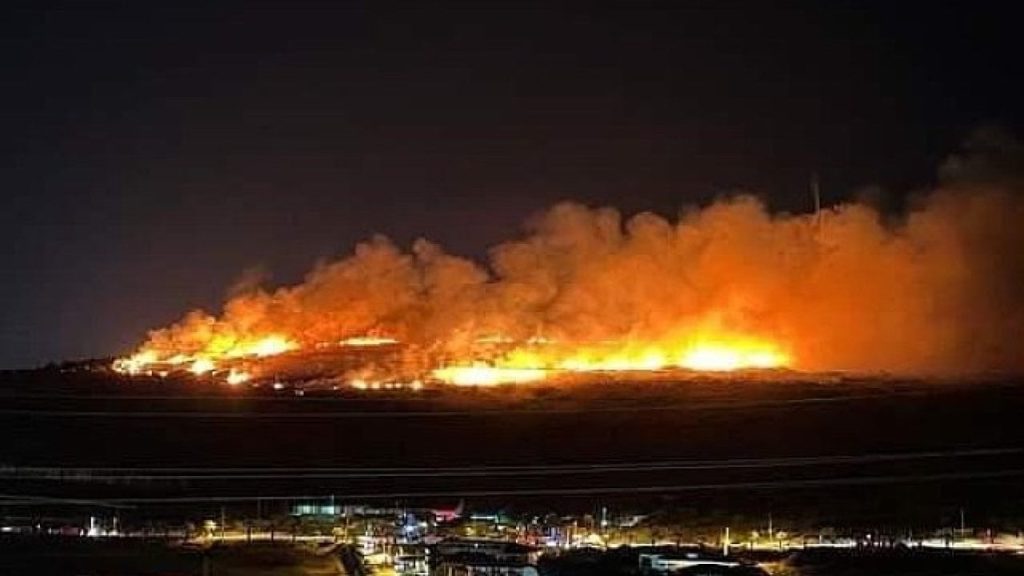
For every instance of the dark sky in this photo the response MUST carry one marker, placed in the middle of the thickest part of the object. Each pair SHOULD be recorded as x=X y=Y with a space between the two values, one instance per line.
x=149 y=158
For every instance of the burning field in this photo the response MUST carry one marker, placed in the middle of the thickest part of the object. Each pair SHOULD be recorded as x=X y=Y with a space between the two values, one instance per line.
x=731 y=286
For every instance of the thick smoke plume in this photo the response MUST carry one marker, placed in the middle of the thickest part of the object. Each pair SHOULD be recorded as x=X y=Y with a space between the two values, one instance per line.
x=935 y=290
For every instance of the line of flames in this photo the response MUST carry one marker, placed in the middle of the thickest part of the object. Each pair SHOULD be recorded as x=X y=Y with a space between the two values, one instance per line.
x=536 y=359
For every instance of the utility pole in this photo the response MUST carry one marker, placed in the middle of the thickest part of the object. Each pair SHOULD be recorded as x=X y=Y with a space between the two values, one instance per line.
x=222 y=520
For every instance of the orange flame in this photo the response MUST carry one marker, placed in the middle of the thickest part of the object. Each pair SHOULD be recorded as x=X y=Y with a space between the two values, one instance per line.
x=531 y=363
x=482 y=375
x=235 y=377
x=727 y=287
x=208 y=360
x=362 y=341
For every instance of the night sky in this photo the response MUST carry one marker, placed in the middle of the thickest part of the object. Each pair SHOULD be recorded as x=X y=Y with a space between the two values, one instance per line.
x=150 y=159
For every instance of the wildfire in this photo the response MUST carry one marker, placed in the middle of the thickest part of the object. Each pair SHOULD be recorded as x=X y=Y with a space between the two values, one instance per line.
x=722 y=357
x=727 y=287
x=363 y=384
x=269 y=346
x=237 y=377
x=541 y=359
x=206 y=361
x=202 y=366
x=483 y=375
x=136 y=363
x=534 y=359
x=364 y=341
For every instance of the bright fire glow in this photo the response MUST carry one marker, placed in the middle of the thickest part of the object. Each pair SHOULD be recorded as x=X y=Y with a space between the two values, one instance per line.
x=531 y=363
x=722 y=357
x=359 y=341
x=135 y=363
x=237 y=377
x=512 y=362
x=363 y=384
x=494 y=339
x=588 y=290
x=482 y=375
x=177 y=359
x=202 y=366
x=206 y=360
x=532 y=360
x=651 y=360
x=269 y=346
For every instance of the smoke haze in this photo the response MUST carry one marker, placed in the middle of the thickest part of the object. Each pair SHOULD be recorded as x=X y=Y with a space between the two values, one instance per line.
x=935 y=290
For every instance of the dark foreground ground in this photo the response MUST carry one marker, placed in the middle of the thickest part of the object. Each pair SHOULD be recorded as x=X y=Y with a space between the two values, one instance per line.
x=36 y=557
x=61 y=557
x=66 y=422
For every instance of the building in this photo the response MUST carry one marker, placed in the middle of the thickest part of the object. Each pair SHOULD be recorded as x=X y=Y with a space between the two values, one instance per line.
x=666 y=562
x=412 y=563
x=472 y=564
x=481 y=557
x=498 y=550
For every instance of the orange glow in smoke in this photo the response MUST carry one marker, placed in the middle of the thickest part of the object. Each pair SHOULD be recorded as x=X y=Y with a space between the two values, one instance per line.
x=361 y=341
x=730 y=286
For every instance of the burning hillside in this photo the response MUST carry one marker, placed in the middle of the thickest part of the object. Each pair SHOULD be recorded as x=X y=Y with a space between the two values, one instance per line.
x=727 y=287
